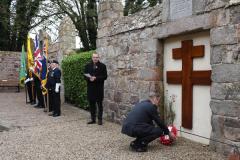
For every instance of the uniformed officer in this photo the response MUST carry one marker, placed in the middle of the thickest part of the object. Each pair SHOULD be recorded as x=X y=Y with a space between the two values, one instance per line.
x=50 y=91
x=40 y=99
x=53 y=85
x=30 y=89
x=38 y=90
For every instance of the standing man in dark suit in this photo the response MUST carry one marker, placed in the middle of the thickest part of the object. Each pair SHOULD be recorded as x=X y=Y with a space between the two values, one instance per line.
x=95 y=74
x=49 y=95
x=53 y=85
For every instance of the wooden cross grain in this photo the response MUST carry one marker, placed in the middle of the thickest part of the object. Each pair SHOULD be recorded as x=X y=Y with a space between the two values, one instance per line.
x=187 y=77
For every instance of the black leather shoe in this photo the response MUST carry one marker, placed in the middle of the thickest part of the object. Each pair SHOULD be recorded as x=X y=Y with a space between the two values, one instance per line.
x=141 y=149
x=56 y=115
x=37 y=106
x=32 y=103
x=100 y=122
x=91 y=122
x=133 y=145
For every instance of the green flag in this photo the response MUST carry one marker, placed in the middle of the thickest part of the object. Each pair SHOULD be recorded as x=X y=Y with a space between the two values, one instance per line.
x=22 y=73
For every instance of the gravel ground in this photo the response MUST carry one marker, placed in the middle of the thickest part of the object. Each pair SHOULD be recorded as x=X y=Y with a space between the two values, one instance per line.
x=33 y=135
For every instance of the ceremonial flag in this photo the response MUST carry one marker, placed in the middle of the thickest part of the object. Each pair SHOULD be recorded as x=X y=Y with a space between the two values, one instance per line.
x=30 y=62
x=37 y=59
x=22 y=73
x=44 y=67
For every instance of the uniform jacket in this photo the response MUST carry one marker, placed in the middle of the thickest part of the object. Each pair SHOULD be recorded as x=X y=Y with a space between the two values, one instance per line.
x=95 y=89
x=54 y=76
x=142 y=116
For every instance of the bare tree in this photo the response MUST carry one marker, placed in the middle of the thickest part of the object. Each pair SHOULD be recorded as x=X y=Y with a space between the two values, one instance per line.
x=83 y=14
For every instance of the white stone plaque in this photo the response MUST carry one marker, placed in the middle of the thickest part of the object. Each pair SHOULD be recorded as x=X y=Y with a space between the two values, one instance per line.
x=180 y=8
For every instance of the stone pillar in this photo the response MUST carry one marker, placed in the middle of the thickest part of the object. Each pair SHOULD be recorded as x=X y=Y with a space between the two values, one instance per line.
x=225 y=89
x=67 y=38
x=108 y=11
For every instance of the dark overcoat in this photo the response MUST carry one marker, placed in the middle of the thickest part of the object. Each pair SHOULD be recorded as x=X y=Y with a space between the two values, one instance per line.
x=95 y=89
x=140 y=120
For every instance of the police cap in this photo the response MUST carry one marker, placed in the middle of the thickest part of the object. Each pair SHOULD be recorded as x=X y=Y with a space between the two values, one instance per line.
x=55 y=61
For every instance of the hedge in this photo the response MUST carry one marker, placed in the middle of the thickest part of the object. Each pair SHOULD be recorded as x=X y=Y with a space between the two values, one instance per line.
x=75 y=86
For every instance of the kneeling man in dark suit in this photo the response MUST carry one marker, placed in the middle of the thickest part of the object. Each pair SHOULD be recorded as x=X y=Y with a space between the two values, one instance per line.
x=139 y=124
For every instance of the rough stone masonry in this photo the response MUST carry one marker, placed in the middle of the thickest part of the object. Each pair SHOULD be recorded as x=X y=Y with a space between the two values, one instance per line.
x=9 y=65
x=132 y=48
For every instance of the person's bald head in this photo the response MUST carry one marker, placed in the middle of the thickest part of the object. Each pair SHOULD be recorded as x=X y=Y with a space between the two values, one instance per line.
x=95 y=57
x=154 y=97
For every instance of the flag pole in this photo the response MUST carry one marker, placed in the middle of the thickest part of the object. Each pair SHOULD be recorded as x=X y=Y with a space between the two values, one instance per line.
x=34 y=98
x=45 y=103
x=45 y=68
x=25 y=86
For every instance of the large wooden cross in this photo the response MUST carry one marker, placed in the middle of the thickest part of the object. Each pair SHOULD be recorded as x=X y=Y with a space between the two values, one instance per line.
x=187 y=77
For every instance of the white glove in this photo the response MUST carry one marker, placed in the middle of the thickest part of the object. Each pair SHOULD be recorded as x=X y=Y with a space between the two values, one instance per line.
x=27 y=80
x=57 y=87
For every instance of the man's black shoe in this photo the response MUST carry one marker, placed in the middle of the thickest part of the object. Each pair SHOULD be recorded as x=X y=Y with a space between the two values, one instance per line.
x=138 y=147
x=32 y=103
x=36 y=106
x=56 y=115
x=91 y=122
x=141 y=149
x=133 y=145
x=100 y=122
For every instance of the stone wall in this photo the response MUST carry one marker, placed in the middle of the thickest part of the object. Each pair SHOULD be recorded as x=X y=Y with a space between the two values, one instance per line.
x=9 y=65
x=132 y=48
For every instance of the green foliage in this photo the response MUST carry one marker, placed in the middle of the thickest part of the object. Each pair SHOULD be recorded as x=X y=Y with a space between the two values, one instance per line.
x=4 y=24
x=75 y=85
x=152 y=2
x=133 y=6
x=16 y=20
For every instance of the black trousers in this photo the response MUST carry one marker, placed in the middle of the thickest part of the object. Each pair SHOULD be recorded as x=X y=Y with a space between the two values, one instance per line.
x=50 y=99
x=93 y=109
x=31 y=91
x=145 y=134
x=39 y=92
x=56 y=101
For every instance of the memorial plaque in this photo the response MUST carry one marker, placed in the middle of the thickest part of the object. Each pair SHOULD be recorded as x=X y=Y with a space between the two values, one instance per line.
x=180 y=8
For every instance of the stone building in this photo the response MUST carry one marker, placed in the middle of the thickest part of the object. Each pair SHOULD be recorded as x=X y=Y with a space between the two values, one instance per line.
x=187 y=49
